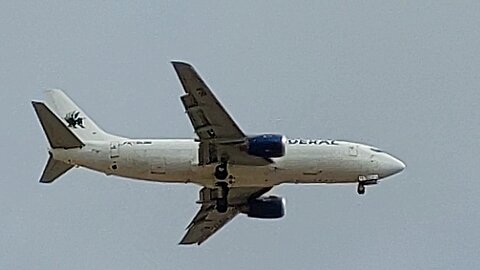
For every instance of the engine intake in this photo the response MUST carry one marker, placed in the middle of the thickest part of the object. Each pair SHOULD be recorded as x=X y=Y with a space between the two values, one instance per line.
x=266 y=146
x=266 y=207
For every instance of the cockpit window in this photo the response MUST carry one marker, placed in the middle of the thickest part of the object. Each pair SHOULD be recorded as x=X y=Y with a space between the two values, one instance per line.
x=376 y=150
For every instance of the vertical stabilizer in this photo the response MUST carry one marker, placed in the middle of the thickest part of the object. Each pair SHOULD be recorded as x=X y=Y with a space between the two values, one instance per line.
x=76 y=119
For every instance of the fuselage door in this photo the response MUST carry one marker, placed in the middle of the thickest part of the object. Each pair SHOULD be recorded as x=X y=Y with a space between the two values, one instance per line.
x=114 y=149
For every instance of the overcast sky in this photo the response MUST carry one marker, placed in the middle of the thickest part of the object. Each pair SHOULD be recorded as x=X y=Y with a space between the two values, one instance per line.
x=400 y=75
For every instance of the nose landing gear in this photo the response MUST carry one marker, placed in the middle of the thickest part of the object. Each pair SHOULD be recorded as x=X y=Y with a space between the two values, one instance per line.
x=360 y=188
x=366 y=181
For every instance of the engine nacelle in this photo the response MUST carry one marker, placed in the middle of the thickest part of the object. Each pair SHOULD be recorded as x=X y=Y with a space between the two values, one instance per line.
x=266 y=207
x=267 y=146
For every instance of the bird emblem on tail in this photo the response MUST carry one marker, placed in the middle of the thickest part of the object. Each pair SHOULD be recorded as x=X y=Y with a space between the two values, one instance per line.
x=73 y=119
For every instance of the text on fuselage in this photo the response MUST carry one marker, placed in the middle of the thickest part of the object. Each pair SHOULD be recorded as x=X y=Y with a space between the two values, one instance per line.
x=316 y=142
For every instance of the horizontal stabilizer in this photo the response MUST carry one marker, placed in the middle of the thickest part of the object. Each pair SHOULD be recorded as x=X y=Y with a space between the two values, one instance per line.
x=58 y=134
x=54 y=169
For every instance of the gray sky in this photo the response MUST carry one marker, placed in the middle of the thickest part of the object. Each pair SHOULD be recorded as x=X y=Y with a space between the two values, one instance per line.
x=403 y=76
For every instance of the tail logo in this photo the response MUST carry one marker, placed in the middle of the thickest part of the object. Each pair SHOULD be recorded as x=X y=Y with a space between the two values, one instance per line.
x=73 y=119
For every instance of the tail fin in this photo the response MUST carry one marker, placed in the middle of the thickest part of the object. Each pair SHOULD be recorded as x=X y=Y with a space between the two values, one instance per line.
x=58 y=135
x=69 y=132
x=54 y=169
x=78 y=122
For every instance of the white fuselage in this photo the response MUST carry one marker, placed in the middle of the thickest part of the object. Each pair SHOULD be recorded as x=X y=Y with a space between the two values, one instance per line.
x=176 y=161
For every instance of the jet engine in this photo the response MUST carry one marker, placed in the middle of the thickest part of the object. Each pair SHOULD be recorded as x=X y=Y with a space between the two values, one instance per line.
x=266 y=207
x=266 y=145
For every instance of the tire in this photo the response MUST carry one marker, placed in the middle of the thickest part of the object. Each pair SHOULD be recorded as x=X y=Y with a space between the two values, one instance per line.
x=222 y=205
x=361 y=189
x=221 y=172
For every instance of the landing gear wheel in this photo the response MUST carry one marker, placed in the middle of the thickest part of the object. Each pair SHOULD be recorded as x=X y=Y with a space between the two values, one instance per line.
x=361 y=189
x=222 y=203
x=221 y=172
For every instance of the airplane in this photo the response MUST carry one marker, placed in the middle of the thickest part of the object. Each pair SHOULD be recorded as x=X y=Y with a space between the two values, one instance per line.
x=235 y=170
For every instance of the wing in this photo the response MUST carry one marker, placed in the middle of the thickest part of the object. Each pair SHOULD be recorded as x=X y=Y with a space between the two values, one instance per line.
x=209 y=118
x=218 y=134
x=208 y=220
x=206 y=223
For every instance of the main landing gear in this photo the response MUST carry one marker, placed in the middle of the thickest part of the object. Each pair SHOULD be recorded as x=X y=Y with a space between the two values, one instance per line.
x=222 y=200
x=221 y=174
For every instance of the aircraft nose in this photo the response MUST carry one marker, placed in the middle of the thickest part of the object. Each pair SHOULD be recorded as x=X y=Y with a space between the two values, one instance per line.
x=390 y=165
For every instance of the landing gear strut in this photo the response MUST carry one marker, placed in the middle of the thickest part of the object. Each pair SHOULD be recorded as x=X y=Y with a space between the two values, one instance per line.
x=221 y=174
x=222 y=201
